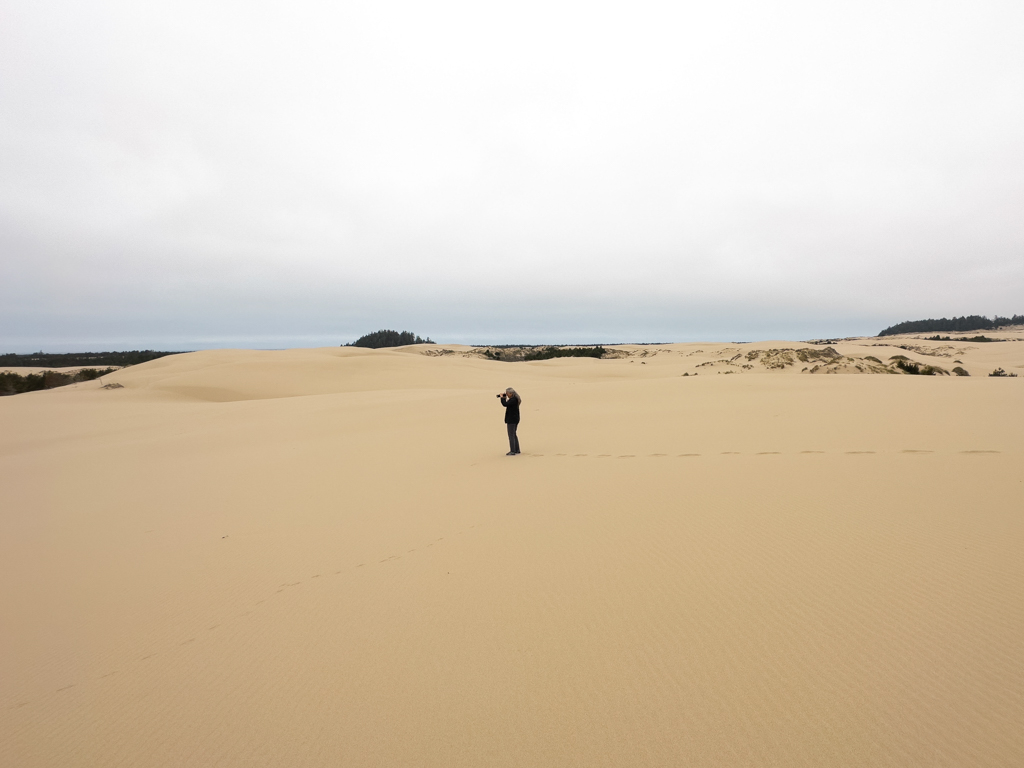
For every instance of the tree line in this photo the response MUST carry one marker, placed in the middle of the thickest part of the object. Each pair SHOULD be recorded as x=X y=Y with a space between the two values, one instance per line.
x=954 y=324
x=75 y=359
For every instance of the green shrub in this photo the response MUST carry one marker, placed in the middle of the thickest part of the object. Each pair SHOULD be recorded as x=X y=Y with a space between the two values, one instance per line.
x=1000 y=373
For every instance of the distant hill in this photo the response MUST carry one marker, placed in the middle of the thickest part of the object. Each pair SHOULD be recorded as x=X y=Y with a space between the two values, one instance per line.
x=954 y=324
x=380 y=339
x=74 y=359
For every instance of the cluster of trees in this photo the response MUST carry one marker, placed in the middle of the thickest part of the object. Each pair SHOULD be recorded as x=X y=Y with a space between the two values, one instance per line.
x=16 y=384
x=73 y=359
x=954 y=324
x=386 y=338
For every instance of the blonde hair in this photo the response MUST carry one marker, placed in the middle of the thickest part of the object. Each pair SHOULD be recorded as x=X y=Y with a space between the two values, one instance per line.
x=510 y=391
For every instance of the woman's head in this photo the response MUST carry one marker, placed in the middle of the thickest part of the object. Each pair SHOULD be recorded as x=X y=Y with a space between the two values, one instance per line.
x=513 y=394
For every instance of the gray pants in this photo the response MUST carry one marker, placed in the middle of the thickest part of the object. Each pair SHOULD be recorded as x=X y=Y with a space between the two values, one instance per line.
x=513 y=440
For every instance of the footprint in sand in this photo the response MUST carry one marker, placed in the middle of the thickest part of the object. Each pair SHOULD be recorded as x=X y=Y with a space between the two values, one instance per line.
x=688 y=454
x=604 y=455
x=980 y=451
x=578 y=455
x=560 y=454
x=769 y=453
x=657 y=454
x=730 y=453
x=627 y=456
x=811 y=451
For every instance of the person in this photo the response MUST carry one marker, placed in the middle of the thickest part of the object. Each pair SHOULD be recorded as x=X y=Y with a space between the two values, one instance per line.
x=510 y=401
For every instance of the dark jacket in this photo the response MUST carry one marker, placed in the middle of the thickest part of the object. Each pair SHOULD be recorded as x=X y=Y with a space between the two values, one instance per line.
x=511 y=409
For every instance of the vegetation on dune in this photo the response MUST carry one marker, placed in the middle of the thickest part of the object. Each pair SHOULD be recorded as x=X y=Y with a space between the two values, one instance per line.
x=388 y=338
x=954 y=324
x=917 y=369
x=547 y=353
x=516 y=353
x=1000 y=373
x=16 y=384
x=75 y=359
x=979 y=339
x=825 y=360
x=960 y=371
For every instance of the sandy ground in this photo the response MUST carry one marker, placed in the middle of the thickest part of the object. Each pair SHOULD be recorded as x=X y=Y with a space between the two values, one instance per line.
x=324 y=558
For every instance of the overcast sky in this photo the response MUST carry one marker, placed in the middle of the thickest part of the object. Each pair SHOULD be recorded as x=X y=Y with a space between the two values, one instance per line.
x=182 y=175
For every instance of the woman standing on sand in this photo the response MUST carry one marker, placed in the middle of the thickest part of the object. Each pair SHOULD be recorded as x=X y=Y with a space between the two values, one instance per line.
x=510 y=401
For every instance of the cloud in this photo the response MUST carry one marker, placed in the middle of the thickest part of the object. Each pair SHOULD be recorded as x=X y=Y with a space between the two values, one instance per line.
x=335 y=166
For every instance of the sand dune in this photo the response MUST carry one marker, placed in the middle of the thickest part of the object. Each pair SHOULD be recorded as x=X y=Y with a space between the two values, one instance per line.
x=322 y=558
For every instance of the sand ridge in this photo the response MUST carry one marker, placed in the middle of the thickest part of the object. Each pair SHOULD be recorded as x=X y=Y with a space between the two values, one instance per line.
x=322 y=557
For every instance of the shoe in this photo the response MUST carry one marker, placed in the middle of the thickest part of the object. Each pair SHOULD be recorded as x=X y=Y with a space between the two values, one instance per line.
x=510 y=453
